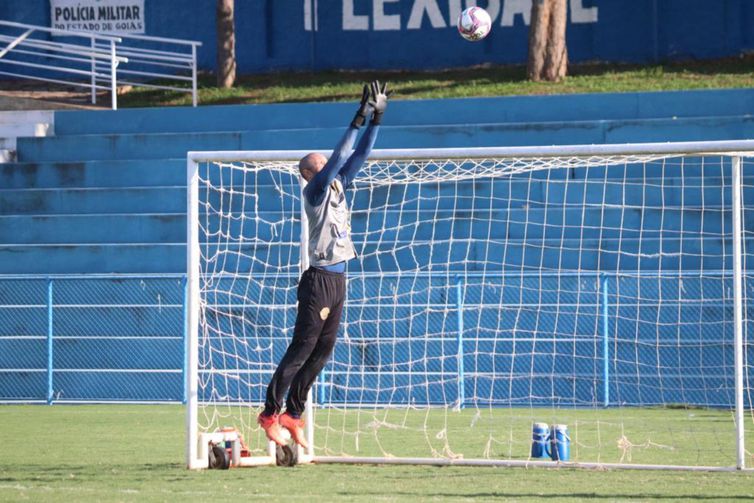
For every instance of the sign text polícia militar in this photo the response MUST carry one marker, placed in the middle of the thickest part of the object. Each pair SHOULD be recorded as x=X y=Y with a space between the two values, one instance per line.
x=99 y=16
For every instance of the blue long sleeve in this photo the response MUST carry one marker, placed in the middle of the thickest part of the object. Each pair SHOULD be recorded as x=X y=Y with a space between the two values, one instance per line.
x=354 y=163
x=316 y=188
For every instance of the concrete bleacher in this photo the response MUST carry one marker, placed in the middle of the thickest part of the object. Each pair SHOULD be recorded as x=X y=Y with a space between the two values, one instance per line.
x=15 y=124
x=107 y=193
x=131 y=163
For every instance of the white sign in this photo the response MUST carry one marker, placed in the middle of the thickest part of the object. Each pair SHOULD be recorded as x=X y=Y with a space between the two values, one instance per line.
x=429 y=13
x=100 y=16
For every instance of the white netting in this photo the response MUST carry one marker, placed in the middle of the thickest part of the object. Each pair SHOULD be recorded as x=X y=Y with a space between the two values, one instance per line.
x=488 y=294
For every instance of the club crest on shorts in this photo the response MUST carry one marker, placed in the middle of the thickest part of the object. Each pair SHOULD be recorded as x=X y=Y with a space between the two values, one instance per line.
x=324 y=313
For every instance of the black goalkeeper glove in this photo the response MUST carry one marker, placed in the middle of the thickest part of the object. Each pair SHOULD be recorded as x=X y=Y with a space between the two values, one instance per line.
x=361 y=114
x=379 y=101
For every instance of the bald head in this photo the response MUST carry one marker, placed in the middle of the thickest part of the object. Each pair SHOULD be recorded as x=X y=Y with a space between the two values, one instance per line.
x=311 y=164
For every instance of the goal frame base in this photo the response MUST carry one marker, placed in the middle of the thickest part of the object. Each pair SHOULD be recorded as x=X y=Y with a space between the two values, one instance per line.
x=257 y=461
x=513 y=463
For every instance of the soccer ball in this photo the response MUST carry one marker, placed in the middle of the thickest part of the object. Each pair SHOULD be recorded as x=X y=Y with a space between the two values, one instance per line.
x=474 y=24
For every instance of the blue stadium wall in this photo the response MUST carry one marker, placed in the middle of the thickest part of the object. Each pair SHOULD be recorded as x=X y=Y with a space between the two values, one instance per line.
x=107 y=195
x=378 y=34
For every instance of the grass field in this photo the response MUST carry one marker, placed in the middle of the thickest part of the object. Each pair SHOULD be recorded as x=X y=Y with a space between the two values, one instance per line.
x=135 y=453
x=489 y=81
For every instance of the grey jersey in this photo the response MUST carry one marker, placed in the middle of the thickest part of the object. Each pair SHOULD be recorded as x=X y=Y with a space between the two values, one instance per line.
x=329 y=228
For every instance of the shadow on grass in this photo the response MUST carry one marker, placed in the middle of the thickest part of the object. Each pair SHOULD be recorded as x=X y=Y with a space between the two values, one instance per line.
x=733 y=65
x=94 y=470
x=638 y=496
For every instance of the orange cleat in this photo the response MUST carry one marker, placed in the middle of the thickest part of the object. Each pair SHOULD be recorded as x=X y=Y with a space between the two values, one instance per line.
x=296 y=428
x=271 y=428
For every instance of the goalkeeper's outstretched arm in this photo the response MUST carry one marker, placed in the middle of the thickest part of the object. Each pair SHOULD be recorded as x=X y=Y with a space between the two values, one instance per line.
x=354 y=163
x=378 y=102
x=317 y=186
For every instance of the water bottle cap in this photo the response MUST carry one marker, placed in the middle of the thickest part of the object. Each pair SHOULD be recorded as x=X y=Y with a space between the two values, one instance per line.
x=560 y=427
x=541 y=426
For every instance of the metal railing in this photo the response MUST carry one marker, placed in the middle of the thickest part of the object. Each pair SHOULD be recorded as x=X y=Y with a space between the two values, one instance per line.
x=154 y=62
x=120 y=337
x=94 y=60
x=54 y=61
x=92 y=338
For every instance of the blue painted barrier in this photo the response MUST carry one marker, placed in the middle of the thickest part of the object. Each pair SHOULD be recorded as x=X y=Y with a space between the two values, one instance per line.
x=96 y=338
x=96 y=228
x=143 y=360
x=463 y=111
x=89 y=201
x=90 y=174
x=176 y=145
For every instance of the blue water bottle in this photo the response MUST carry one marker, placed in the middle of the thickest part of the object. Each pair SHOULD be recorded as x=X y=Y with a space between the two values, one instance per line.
x=540 y=437
x=560 y=443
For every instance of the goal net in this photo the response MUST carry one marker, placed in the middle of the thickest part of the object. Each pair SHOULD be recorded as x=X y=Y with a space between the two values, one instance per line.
x=599 y=288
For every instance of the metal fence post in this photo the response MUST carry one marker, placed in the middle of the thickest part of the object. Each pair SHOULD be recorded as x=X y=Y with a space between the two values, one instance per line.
x=94 y=72
x=193 y=75
x=113 y=76
x=50 y=390
x=459 y=308
x=185 y=337
x=605 y=344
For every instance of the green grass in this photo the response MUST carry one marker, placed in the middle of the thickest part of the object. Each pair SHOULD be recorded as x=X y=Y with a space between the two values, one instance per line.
x=486 y=81
x=135 y=453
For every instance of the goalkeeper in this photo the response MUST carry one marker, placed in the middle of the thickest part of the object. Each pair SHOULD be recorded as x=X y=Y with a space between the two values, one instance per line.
x=322 y=288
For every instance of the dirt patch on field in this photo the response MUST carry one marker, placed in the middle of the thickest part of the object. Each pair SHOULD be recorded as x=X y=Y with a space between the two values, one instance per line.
x=16 y=95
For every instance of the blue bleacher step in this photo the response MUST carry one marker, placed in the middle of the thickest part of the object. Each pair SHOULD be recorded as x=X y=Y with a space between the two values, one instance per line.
x=177 y=145
x=93 y=229
x=514 y=109
x=86 y=259
x=511 y=193
x=532 y=224
x=92 y=174
x=470 y=254
x=93 y=201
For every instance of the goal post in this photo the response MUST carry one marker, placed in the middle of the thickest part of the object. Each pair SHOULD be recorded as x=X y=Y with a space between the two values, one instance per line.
x=599 y=290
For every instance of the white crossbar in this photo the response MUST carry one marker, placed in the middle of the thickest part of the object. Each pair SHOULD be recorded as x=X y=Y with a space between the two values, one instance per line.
x=743 y=147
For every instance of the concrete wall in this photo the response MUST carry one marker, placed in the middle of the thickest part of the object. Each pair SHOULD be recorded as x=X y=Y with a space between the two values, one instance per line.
x=361 y=34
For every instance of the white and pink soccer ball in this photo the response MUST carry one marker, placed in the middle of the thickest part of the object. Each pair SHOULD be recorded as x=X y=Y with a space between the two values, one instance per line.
x=474 y=24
